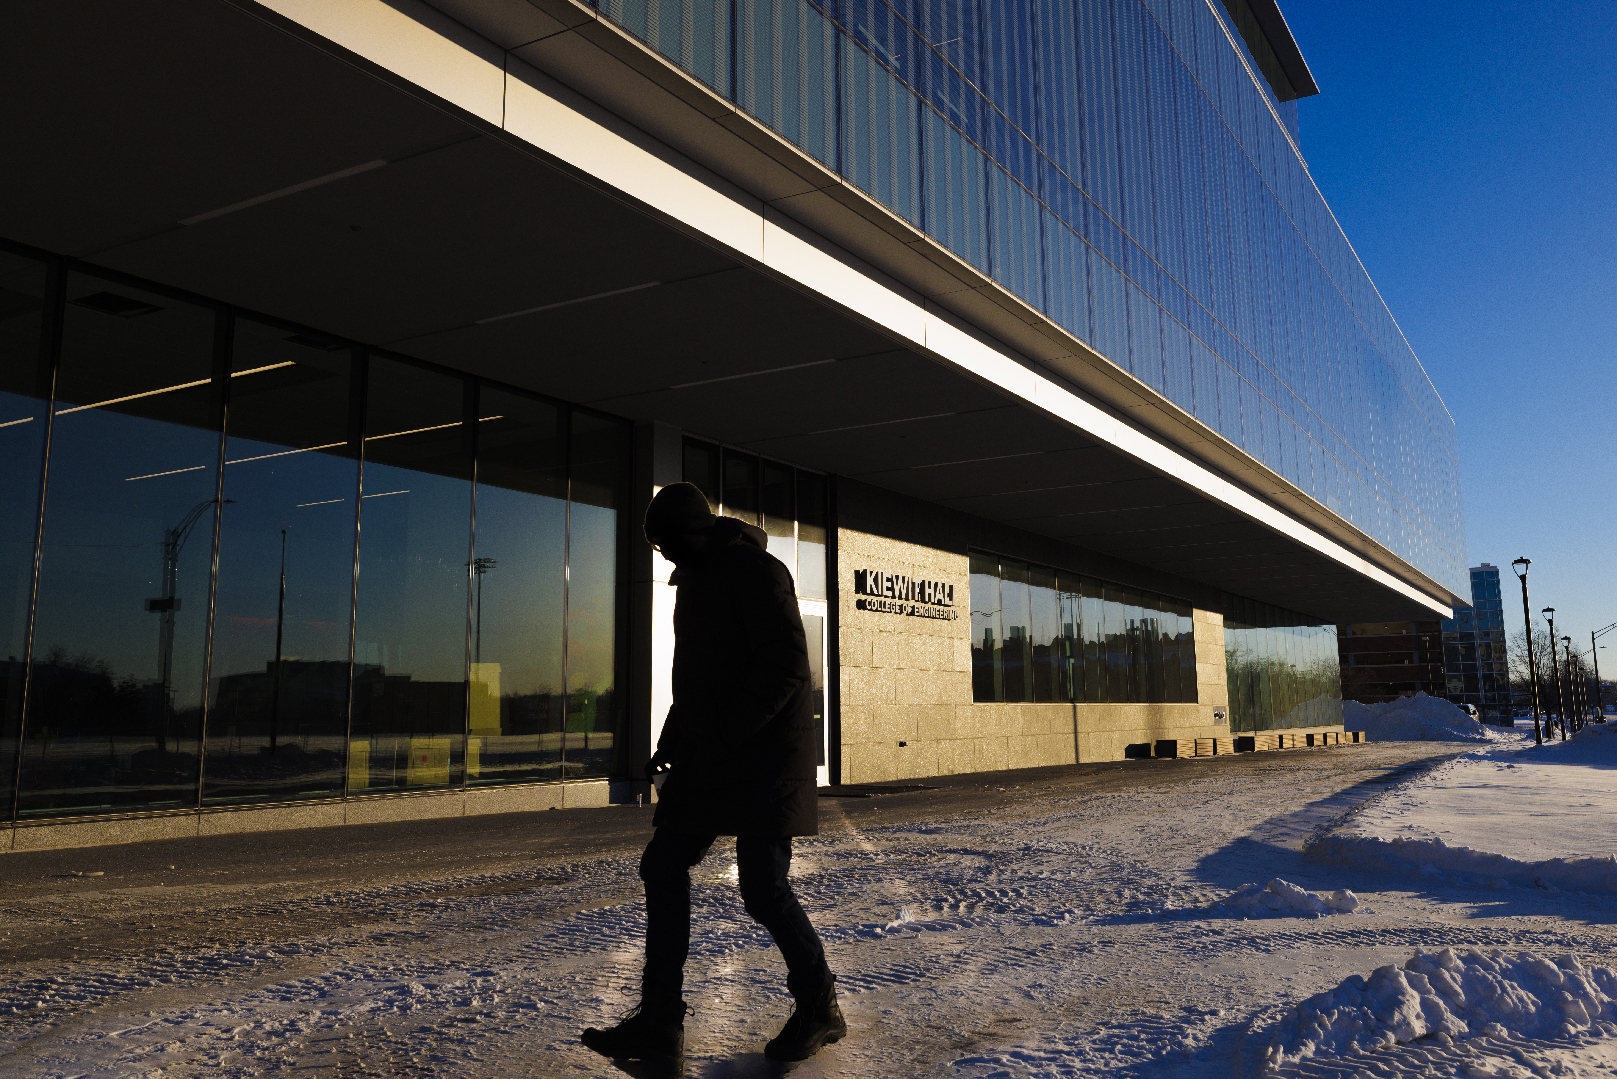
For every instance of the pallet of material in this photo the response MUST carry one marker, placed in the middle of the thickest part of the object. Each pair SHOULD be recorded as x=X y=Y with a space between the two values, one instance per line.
x=1194 y=747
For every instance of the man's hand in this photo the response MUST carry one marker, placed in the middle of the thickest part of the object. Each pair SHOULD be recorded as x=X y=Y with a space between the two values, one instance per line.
x=657 y=765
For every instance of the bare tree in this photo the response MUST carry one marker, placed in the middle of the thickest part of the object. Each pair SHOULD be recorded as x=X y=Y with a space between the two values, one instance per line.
x=1576 y=677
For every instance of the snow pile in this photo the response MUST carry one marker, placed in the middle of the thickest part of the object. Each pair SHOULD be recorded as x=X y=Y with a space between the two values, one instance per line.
x=1498 y=818
x=1283 y=897
x=1446 y=996
x=1435 y=859
x=1416 y=719
x=1595 y=745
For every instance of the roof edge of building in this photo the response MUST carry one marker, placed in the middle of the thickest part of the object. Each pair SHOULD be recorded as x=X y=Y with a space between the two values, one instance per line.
x=655 y=107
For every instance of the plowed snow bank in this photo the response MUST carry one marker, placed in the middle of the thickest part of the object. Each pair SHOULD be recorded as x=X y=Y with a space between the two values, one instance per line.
x=1417 y=719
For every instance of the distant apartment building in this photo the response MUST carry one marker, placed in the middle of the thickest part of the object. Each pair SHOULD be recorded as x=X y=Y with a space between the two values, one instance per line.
x=1474 y=649
x=1382 y=661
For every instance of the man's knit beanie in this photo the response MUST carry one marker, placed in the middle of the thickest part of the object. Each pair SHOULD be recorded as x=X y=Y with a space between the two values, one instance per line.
x=677 y=509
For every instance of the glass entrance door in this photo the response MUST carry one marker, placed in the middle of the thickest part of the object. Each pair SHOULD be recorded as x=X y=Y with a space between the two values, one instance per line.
x=789 y=504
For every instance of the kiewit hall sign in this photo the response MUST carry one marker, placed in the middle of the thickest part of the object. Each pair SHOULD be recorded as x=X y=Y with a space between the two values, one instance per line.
x=895 y=593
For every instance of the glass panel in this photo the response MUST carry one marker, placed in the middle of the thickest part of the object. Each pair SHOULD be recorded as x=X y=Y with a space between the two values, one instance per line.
x=811 y=524
x=1016 y=659
x=1094 y=627
x=814 y=629
x=1138 y=657
x=600 y=489
x=1187 y=655
x=24 y=387
x=741 y=486
x=1165 y=676
x=119 y=648
x=411 y=630
x=278 y=722
x=1115 y=619
x=1044 y=631
x=701 y=467
x=987 y=681
x=519 y=581
x=780 y=514
x=1070 y=654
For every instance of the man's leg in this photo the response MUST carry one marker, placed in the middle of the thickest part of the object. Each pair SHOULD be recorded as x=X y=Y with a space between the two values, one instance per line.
x=665 y=868
x=655 y=1031
x=763 y=865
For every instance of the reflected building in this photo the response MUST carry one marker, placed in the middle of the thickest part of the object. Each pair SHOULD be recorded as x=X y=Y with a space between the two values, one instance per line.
x=1020 y=331
x=1382 y=661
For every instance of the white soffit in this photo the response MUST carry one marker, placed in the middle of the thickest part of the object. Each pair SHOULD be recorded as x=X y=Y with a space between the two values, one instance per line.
x=469 y=74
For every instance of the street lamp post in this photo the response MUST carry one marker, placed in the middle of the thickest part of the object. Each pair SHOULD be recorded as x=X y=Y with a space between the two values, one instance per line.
x=1600 y=704
x=1555 y=672
x=1572 y=687
x=280 y=624
x=1520 y=566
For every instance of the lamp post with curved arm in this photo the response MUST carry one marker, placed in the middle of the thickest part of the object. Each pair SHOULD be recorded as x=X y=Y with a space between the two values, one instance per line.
x=1520 y=566
x=1594 y=657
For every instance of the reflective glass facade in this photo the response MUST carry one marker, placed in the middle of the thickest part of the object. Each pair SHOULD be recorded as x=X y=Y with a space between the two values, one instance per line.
x=1045 y=635
x=242 y=562
x=1474 y=659
x=1283 y=670
x=1123 y=167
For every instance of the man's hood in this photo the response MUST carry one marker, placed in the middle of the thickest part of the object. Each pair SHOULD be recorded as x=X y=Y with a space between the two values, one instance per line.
x=729 y=530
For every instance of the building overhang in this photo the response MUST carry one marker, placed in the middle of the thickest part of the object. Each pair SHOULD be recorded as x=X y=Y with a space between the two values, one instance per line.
x=382 y=172
x=1269 y=39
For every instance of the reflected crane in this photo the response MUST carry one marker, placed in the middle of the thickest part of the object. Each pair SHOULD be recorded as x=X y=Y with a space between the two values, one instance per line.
x=167 y=605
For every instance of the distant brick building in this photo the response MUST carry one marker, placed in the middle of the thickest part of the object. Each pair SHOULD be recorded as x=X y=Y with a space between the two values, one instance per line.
x=1382 y=661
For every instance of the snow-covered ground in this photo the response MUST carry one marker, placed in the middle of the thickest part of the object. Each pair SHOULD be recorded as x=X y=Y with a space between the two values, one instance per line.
x=1062 y=927
x=1511 y=814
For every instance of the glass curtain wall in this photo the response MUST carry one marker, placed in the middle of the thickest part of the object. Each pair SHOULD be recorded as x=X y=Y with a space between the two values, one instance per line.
x=278 y=718
x=115 y=695
x=413 y=604
x=264 y=566
x=1283 y=670
x=1125 y=168
x=24 y=416
x=788 y=503
x=1042 y=635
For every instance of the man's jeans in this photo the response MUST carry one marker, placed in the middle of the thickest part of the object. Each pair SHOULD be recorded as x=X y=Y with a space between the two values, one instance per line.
x=762 y=865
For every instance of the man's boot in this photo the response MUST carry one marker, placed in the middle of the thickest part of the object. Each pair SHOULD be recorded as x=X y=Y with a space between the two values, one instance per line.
x=652 y=1033
x=817 y=1022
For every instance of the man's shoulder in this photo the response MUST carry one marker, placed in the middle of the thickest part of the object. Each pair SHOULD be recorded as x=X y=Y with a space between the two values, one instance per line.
x=744 y=561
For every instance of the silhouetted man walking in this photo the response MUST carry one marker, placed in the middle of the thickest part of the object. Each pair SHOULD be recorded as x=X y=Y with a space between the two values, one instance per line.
x=739 y=748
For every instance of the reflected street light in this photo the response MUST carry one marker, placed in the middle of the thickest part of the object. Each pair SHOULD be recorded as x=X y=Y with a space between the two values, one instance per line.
x=280 y=623
x=479 y=567
x=1520 y=566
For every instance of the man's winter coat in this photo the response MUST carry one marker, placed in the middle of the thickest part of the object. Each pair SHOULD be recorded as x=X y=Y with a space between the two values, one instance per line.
x=741 y=736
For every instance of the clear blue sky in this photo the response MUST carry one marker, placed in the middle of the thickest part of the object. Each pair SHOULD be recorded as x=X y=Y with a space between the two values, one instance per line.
x=1469 y=150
